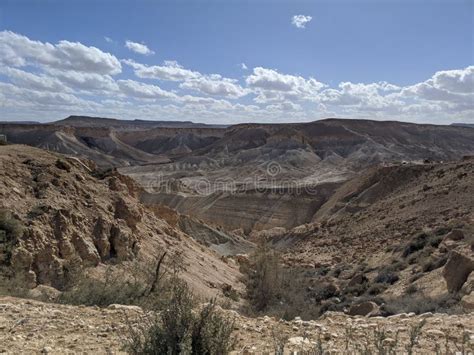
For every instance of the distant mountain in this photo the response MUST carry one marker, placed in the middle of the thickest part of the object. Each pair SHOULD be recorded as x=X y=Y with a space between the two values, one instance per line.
x=471 y=125
x=87 y=121
x=19 y=122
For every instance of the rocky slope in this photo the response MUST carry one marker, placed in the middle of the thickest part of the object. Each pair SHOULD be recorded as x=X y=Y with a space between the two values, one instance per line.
x=35 y=327
x=403 y=233
x=69 y=213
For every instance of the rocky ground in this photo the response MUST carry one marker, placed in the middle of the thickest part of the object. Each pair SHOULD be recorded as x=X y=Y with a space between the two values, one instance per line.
x=28 y=326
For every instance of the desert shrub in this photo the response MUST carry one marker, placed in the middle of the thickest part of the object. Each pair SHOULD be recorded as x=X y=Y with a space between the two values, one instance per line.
x=11 y=230
x=133 y=283
x=411 y=289
x=356 y=290
x=37 y=211
x=399 y=265
x=387 y=275
x=442 y=231
x=420 y=304
x=263 y=278
x=418 y=243
x=415 y=277
x=323 y=270
x=434 y=263
x=102 y=292
x=376 y=289
x=179 y=330
x=436 y=240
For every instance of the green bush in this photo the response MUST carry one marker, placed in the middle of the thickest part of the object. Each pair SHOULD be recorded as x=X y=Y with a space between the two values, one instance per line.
x=10 y=231
x=179 y=330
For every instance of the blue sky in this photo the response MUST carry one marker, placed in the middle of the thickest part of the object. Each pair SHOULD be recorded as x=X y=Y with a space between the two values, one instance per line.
x=404 y=60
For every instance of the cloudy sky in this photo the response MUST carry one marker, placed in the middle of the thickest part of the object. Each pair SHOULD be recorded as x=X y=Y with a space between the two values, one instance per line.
x=238 y=61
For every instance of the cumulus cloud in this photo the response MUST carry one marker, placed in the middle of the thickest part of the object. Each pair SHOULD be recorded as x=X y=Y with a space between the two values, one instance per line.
x=139 y=48
x=215 y=85
x=170 y=70
x=145 y=91
x=33 y=81
x=300 y=21
x=459 y=81
x=271 y=85
x=70 y=77
x=85 y=81
x=17 y=50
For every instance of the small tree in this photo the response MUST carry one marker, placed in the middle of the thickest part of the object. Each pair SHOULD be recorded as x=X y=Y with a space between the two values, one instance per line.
x=262 y=277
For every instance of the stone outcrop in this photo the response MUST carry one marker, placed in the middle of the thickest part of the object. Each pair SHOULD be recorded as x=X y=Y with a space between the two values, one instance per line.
x=457 y=270
x=74 y=218
x=367 y=309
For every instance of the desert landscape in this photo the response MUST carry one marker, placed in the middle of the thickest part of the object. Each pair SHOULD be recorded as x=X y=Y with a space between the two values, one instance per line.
x=329 y=236
x=291 y=177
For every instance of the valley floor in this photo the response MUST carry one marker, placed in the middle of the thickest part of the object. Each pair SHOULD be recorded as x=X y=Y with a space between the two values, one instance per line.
x=29 y=327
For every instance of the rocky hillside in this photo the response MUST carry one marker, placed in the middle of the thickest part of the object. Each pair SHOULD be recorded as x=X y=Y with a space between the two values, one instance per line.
x=403 y=233
x=66 y=212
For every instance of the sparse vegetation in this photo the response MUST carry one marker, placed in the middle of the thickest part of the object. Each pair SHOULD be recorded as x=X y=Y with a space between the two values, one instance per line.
x=387 y=275
x=419 y=304
x=10 y=231
x=179 y=330
x=434 y=263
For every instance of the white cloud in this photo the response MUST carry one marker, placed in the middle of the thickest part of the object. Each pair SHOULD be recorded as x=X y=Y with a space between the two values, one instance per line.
x=170 y=70
x=85 y=81
x=17 y=50
x=212 y=84
x=215 y=85
x=40 y=79
x=145 y=91
x=108 y=39
x=139 y=48
x=243 y=66
x=459 y=81
x=270 y=85
x=33 y=81
x=300 y=21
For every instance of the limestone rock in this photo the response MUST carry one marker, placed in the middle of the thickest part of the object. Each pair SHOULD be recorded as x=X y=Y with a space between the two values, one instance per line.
x=44 y=293
x=130 y=213
x=364 y=309
x=467 y=302
x=457 y=270
x=468 y=286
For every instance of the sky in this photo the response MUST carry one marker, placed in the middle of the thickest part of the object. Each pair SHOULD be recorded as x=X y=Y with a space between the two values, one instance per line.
x=231 y=61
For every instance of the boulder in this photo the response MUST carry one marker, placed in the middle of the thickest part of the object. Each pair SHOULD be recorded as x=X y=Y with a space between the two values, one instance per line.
x=367 y=309
x=467 y=302
x=456 y=271
x=44 y=293
x=468 y=286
